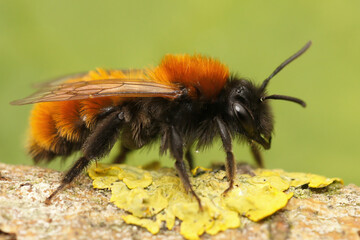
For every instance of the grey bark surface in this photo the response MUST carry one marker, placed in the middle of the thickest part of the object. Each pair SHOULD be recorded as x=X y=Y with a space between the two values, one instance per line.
x=81 y=212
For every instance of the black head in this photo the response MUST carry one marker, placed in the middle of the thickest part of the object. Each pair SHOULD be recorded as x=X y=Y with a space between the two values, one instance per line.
x=248 y=108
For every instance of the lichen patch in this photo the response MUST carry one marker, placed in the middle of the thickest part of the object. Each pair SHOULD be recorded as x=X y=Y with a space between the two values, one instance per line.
x=155 y=198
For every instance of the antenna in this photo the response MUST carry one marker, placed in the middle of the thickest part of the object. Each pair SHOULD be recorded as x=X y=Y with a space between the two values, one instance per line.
x=286 y=98
x=286 y=62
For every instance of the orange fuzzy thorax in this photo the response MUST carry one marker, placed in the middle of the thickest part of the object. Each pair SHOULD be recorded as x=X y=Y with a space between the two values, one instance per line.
x=203 y=76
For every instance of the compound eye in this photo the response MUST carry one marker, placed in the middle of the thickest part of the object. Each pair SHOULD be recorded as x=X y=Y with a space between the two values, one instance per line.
x=244 y=117
x=240 y=110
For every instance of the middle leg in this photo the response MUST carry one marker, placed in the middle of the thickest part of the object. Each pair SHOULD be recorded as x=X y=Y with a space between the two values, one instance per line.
x=121 y=157
x=176 y=149
x=190 y=159
x=230 y=160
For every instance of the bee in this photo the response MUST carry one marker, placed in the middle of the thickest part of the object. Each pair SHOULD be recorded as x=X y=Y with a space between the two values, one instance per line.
x=185 y=101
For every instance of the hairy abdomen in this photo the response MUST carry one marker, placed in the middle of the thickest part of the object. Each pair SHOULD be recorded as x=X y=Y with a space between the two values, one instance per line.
x=60 y=128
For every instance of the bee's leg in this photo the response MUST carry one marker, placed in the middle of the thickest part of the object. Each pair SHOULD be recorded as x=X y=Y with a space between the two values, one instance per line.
x=73 y=172
x=189 y=158
x=257 y=155
x=176 y=149
x=121 y=157
x=97 y=145
x=230 y=165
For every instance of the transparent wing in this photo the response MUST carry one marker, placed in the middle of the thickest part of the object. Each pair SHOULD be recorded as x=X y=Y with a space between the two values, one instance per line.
x=59 y=90
x=74 y=76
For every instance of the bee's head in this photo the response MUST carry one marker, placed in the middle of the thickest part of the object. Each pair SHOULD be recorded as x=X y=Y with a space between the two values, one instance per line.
x=248 y=114
x=248 y=107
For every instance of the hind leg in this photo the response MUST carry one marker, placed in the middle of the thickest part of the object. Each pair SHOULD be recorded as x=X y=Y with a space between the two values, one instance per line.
x=96 y=146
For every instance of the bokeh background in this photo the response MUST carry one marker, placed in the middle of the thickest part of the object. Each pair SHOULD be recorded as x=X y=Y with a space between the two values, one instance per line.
x=43 y=39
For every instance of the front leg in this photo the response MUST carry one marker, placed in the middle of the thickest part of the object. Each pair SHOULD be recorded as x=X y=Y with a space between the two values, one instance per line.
x=176 y=149
x=256 y=155
x=230 y=165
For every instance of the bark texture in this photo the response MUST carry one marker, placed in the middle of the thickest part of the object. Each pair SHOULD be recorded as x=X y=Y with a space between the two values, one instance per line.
x=81 y=212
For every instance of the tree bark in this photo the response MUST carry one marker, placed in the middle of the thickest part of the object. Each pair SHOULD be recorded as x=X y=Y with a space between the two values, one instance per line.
x=85 y=213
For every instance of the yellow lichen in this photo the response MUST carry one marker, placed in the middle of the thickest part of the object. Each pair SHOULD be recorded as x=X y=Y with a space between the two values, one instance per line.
x=299 y=179
x=151 y=197
x=150 y=225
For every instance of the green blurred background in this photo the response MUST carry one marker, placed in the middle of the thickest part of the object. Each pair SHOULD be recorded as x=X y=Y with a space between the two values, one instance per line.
x=43 y=39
